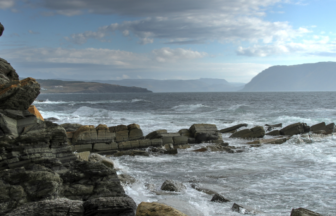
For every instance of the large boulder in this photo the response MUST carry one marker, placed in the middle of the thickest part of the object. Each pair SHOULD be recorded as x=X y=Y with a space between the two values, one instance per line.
x=70 y=127
x=18 y=95
x=233 y=128
x=7 y=72
x=205 y=132
x=294 y=129
x=154 y=209
x=303 y=212
x=256 y=132
x=170 y=185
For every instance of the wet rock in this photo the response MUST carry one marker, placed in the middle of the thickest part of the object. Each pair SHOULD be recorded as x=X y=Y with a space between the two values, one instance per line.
x=269 y=141
x=303 y=212
x=330 y=128
x=71 y=127
x=184 y=132
x=233 y=128
x=170 y=185
x=118 y=206
x=201 y=150
x=156 y=134
x=126 y=179
x=56 y=207
x=274 y=133
x=202 y=137
x=271 y=127
x=115 y=129
x=318 y=127
x=182 y=146
x=18 y=95
x=171 y=151
x=181 y=205
x=52 y=119
x=204 y=190
x=133 y=126
x=101 y=159
x=180 y=140
x=131 y=153
x=191 y=141
x=296 y=128
x=244 y=209
x=154 y=209
x=256 y=132
x=219 y=198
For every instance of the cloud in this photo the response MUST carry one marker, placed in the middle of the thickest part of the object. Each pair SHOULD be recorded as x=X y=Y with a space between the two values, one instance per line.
x=4 y=4
x=318 y=46
x=91 y=63
x=33 y=32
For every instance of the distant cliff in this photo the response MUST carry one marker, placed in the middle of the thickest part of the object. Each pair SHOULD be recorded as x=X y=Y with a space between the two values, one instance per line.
x=305 y=77
x=59 y=86
x=196 y=85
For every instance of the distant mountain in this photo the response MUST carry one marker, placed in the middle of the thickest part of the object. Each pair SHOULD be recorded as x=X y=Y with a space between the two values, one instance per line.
x=199 y=85
x=59 y=86
x=305 y=77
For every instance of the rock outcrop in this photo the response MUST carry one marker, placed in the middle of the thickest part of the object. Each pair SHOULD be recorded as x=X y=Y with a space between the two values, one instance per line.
x=294 y=129
x=233 y=128
x=154 y=209
x=1 y=29
x=303 y=212
x=256 y=132
x=170 y=185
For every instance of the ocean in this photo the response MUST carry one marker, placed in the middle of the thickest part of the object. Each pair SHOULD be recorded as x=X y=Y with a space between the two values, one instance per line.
x=272 y=178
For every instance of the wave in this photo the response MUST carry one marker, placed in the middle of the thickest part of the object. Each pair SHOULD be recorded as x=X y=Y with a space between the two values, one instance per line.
x=189 y=107
x=139 y=100
x=80 y=102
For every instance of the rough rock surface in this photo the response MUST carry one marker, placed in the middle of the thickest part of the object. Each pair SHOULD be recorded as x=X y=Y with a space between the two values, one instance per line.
x=18 y=95
x=33 y=110
x=7 y=72
x=244 y=209
x=155 y=209
x=233 y=128
x=170 y=185
x=1 y=29
x=256 y=132
x=219 y=198
x=296 y=128
x=303 y=212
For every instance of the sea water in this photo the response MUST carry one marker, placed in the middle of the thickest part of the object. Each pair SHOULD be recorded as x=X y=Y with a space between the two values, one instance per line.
x=272 y=178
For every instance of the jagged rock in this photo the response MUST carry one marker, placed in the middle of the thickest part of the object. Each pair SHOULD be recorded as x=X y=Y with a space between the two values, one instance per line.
x=156 y=134
x=219 y=198
x=204 y=190
x=170 y=185
x=202 y=137
x=318 y=127
x=56 y=207
x=154 y=209
x=7 y=72
x=303 y=212
x=33 y=110
x=126 y=179
x=18 y=95
x=330 y=128
x=99 y=158
x=131 y=153
x=233 y=128
x=296 y=128
x=71 y=127
x=117 y=206
x=244 y=209
x=274 y=133
x=2 y=28
x=256 y=132
x=271 y=127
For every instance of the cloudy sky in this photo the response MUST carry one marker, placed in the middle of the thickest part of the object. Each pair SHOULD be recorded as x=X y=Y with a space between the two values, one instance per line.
x=164 y=39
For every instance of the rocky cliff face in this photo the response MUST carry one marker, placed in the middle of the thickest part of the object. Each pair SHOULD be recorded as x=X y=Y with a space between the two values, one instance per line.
x=305 y=77
x=39 y=174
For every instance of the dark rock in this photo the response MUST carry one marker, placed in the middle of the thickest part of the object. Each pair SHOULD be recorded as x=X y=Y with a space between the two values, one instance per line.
x=256 y=132
x=244 y=209
x=202 y=137
x=104 y=206
x=184 y=132
x=271 y=127
x=56 y=207
x=52 y=119
x=192 y=140
x=18 y=95
x=2 y=28
x=303 y=212
x=318 y=127
x=274 y=133
x=170 y=185
x=219 y=198
x=296 y=128
x=330 y=128
x=204 y=190
x=7 y=73
x=171 y=151
x=233 y=128
x=156 y=134
x=131 y=153
x=203 y=128
x=201 y=150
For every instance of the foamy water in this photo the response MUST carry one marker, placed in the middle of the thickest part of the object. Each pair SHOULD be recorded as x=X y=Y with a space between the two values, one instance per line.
x=273 y=178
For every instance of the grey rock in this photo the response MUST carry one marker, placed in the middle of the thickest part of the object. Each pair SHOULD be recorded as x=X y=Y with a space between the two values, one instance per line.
x=70 y=127
x=271 y=127
x=180 y=140
x=104 y=206
x=296 y=128
x=256 y=132
x=7 y=72
x=219 y=198
x=56 y=207
x=203 y=128
x=204 y=190
x=156 y=134
x=171 y=151
x=303 y=212
x=318 y=127
x=274 y=133
x=170 y=185
x=184 y=132
x=244 y=209
x=330 y=128
x=126 y=179
x=131 y=153
x=233 y=128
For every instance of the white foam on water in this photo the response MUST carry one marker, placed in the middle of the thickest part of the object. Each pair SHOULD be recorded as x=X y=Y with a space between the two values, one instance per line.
x=139 y=100
x=188 y=107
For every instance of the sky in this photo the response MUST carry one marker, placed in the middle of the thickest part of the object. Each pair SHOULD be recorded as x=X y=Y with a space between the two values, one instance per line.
x=156 y=39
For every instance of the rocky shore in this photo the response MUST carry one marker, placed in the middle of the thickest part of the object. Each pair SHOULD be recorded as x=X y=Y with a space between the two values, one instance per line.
x=51 y=169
